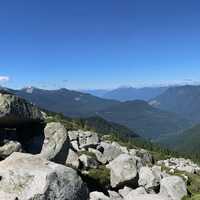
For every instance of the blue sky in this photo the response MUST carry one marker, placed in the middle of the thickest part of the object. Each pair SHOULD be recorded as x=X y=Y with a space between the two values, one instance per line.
x=99 y=44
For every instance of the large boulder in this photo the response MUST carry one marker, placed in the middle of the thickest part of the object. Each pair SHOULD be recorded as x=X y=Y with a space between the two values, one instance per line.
x=123 y=149
x=73 y=135
x=123 y=171
x=9 y=147
x=87 y=139
x=125 y=191
x=16 y=111
x=114 y=195
x=134 y=193
x=98 y=196
x=28 y=177
x=147 y=197
x=173 y=187
x=146 y=157
x=107 y=152
x=56 y=143
x=149 y=179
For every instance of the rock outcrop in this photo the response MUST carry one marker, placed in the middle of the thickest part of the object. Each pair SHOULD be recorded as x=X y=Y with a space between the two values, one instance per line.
x=15 y=111
x=20 y=123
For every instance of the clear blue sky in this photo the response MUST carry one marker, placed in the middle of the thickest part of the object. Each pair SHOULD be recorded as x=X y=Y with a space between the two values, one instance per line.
x=99 y=43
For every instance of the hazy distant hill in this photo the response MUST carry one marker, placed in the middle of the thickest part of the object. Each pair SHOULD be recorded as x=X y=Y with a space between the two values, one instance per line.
x=183 y=100
x=144 y=119
x=70 y=103
x=130 y=93
x=97 y=92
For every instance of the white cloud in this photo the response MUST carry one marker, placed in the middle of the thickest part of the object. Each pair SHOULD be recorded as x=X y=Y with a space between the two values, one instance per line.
x=4 y=78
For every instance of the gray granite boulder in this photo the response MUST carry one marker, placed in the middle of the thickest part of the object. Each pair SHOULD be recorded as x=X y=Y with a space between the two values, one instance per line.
x=123 y=171
x=73 y=159
x=107 y=152
x=56 y=143
x=98 y=196
x=146 y=197
x=149 y=179
x=87 y=139
x=9 y=147
x=28 y=177
x=173 y=187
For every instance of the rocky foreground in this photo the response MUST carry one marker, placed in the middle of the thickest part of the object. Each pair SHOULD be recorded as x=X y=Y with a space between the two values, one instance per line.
x=46 y=162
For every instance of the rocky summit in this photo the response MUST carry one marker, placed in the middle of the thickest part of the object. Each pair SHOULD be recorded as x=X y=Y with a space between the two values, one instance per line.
x=43 y=160
x=15 y=111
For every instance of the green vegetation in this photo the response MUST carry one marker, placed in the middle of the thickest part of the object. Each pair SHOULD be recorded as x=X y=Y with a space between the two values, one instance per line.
x=193 y=197
x=101 y=175
x=98 y=179
x=144 y=119
x=96 y=124
x=188 y=142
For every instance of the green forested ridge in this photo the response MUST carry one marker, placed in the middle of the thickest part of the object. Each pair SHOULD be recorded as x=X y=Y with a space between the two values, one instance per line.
x=187 y=142
x=149 y=122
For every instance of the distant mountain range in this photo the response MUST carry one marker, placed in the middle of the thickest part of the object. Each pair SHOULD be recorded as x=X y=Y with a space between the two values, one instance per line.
x=130 y=93
x=182 y=100
x=96 y=92
x=137 y=115
x=70 y=103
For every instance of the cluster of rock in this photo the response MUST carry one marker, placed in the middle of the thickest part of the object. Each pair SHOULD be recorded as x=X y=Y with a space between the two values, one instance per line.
x=180 y=164
x=133 y=175
x=48 y=163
